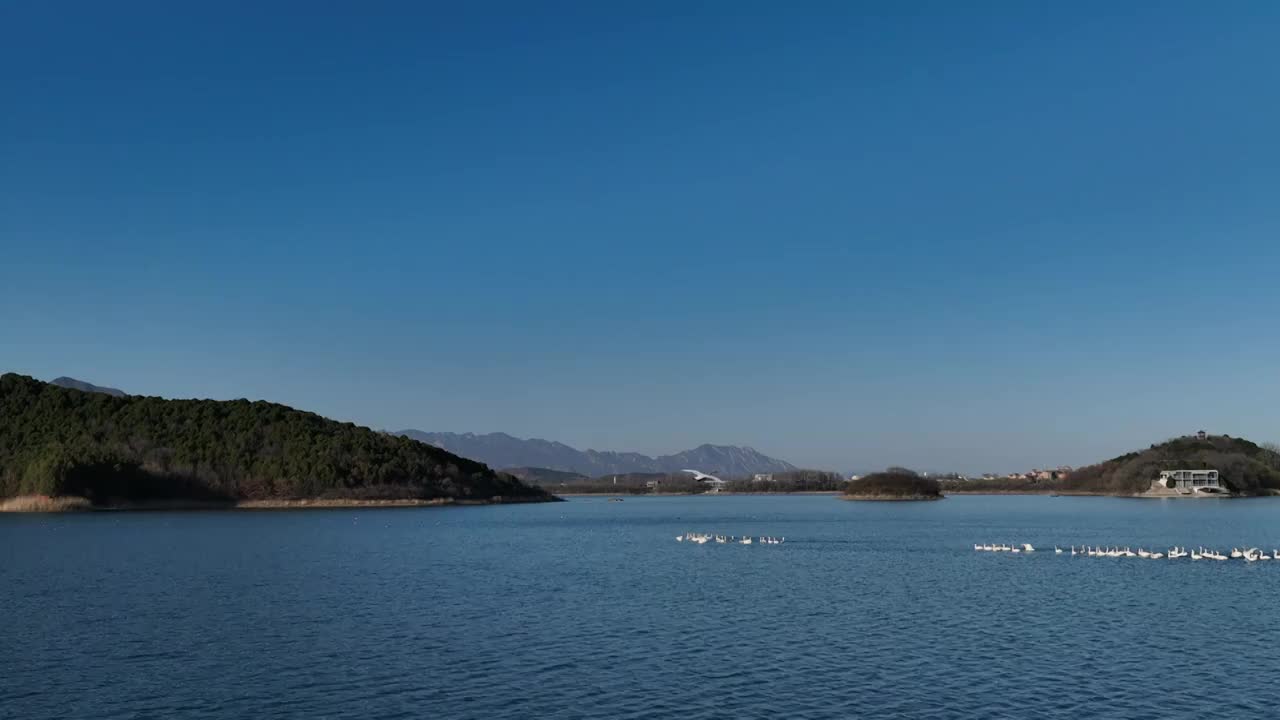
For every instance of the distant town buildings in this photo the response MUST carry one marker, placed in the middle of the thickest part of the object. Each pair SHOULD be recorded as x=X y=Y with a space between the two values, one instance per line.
x=1037 y=474
x=762 y=477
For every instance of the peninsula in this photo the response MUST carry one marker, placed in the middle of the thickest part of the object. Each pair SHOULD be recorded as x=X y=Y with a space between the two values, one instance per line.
x=64 y=448
x=1241 y=468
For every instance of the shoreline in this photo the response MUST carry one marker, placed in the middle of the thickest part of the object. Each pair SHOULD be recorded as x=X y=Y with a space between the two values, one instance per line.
x=892 y=498
x=688 y=494
x=67 y=504
x=1135 y=496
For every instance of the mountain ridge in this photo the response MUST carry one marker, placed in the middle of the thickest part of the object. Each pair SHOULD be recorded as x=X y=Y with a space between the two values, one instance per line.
x=502 y=450
x=73 y=384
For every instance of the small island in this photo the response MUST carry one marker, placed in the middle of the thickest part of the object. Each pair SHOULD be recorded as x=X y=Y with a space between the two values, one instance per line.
x=893 y=484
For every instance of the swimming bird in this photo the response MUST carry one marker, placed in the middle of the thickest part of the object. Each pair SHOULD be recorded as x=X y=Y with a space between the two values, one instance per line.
x=1026 y=547
x=1057 y=550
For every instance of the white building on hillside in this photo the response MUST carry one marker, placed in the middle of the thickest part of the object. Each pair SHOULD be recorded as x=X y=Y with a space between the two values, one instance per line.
x=1194 y=480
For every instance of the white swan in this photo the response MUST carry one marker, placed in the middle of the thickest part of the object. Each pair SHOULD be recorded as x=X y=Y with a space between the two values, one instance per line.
x=1057 y=550
x=1026 y=547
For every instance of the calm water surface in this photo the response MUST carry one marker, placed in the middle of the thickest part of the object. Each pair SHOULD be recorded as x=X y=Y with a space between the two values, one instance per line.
x=590 y=609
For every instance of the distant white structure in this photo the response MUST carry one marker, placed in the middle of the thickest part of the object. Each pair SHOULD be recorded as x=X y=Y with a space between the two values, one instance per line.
x=762 y=477
x=713 y=482
x=1194 y=480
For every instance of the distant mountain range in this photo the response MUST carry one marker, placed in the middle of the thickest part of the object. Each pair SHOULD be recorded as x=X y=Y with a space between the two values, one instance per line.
x=501 y=450
x=74 y=384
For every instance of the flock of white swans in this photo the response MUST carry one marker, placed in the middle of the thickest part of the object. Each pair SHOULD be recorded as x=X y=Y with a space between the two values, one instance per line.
x=704 y=538
x=1174 y=553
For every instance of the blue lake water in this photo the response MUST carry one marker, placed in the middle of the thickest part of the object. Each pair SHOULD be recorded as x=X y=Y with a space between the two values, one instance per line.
x=590 y=609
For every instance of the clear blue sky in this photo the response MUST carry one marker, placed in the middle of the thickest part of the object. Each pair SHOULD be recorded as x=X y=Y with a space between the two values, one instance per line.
x=950 y=235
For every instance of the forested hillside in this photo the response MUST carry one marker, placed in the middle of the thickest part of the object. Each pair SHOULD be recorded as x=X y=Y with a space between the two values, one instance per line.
x=56 y=441
x=1244 y=467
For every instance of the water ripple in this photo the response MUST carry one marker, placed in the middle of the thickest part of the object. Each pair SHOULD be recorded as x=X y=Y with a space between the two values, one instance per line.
x=590 y=610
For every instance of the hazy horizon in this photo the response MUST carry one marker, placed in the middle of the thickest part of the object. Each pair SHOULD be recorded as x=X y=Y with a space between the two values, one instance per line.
x=849 y=466
x=951 y=238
